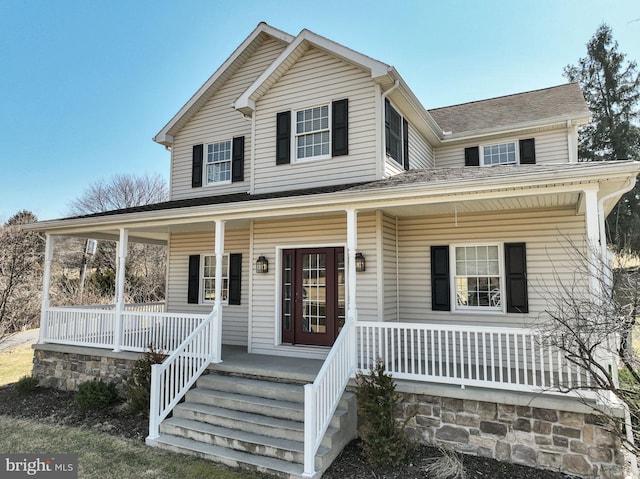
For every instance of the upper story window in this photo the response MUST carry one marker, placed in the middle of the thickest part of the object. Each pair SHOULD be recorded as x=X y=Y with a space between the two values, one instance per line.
x=218 y=162
x=512 y=152
x=478 y=277
x=396 y=135
x=312 y=133
x=500 y=154
x=209 y=278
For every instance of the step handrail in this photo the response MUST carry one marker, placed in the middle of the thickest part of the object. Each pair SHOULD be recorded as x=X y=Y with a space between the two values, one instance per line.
x=321 y=398
x=171 y=379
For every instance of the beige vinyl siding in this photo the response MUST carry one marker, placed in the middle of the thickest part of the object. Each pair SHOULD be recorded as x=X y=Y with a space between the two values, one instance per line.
x=420 y=151
x=317 y=78
x=234 y=317
x=390 y=265
x=219 y=121
x=547 y=255
x=271 y=236
x=551 y=147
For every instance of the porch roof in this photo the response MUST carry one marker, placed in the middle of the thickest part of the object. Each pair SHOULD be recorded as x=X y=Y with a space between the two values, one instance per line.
x=408 y=189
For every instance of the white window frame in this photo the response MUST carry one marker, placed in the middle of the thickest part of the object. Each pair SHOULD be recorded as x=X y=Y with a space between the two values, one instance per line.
x=225 y=278
x=400 y=160
x=206 y=164
x=501 y=275
x=295 y=135
x=503 y=142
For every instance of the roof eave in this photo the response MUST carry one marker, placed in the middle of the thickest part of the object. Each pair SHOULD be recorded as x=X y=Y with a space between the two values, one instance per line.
x=165 y=136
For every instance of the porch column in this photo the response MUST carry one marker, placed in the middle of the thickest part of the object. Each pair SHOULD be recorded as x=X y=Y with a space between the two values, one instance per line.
x=352 y=242
x=217 y=330
x=123 y=245
x=46 y=286
x=593 y=239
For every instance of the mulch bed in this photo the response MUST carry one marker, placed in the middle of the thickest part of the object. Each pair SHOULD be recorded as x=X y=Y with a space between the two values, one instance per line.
x=59 y=407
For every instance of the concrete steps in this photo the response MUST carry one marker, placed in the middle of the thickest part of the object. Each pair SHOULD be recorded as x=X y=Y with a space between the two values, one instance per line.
x=253 y=423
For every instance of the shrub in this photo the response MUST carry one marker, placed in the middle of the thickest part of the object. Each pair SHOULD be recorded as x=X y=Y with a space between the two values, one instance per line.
x=137 y=386
x=96 y=394
x=382 y=433
x=26 y=384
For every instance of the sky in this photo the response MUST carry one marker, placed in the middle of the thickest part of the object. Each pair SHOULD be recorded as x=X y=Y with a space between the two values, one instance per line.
x=86 y=84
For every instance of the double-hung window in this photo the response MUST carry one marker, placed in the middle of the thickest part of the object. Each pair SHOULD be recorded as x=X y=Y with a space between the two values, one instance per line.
x=500 y=154
x=312 y=133
x=218 y=162
x=478 y=277
x=393 y=133
x=209 y=278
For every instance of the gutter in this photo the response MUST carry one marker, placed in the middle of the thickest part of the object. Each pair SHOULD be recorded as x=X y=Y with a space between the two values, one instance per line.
x=601 y=217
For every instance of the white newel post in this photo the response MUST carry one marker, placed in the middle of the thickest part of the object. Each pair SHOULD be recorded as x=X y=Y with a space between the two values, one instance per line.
x=46 y=285
x=217 y=329
x=123 y=245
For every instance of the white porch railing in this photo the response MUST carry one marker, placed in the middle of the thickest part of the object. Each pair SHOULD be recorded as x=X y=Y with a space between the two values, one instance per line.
x=157 y=307
x=322 y=397
x=171 y=380
x=515 y=359
x=96 y=327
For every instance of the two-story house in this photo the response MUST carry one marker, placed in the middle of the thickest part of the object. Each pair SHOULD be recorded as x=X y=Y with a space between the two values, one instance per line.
x=320 y=217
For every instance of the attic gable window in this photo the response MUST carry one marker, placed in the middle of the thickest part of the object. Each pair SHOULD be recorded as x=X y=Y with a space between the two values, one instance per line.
x=312 y=133
x=500 y=154
x=218 y=162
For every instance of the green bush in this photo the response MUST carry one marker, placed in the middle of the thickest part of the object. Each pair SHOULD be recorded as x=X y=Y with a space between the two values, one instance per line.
x=96 y=394
x=137 y=386
x=384 y=442
x=26 y=384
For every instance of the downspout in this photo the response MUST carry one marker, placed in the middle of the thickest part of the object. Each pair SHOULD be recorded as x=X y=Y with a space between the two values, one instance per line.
x=603 y=235
x=383 y=97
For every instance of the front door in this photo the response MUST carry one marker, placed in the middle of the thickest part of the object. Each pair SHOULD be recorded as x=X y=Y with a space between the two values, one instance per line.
x=313 y=295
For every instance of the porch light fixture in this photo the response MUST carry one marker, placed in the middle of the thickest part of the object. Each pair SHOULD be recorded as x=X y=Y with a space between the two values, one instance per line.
x=262 y=265
x=360 y=263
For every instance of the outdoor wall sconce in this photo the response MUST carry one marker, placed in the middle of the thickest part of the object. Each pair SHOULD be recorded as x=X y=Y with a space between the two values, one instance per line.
x=360 y=263
x=262 y=265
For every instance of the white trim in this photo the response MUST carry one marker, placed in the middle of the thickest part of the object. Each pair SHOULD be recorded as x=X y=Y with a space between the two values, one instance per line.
x=295 y=135
x=205 y=163
x=246 y=102
x=163 y=136
x=452 y=280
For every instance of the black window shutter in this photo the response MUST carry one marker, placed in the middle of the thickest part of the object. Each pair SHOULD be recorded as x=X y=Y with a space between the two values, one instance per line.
x=440 y=283
x=515 y=260
x=237 y=160
x=196 y=168
x=472 y=156
x=235 y=277
x=283 y=138
x=193 y=290
x=340 y=128
x=405 y=143
x=528 y=151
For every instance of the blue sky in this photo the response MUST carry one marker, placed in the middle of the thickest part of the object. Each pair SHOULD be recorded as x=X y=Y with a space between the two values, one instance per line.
x=86 y=84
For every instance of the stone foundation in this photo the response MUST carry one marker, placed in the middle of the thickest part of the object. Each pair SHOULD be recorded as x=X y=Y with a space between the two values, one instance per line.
x=66 y=368
x=571 y=442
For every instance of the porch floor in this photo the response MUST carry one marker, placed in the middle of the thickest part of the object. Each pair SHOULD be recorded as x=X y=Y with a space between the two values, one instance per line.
x=236 y=360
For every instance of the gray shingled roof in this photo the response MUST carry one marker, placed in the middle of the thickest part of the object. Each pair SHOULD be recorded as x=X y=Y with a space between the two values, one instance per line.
x=425 y=177
x=559 y=101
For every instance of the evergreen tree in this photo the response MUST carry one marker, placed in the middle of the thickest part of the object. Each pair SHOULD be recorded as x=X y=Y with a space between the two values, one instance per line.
x=611 y=86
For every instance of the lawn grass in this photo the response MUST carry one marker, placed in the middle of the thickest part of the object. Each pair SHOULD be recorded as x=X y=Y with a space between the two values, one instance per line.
x=15 y=363
x=101 y=456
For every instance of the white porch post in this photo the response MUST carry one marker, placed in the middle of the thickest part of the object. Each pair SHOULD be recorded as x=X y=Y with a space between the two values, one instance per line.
x=219 y=251
x=46 y=286
x=593 y=239
x=123 y=245
x=352 y=242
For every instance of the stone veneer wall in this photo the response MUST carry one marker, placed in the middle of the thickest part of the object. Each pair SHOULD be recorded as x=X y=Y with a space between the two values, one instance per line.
x=66 y=370
x=571 y=442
